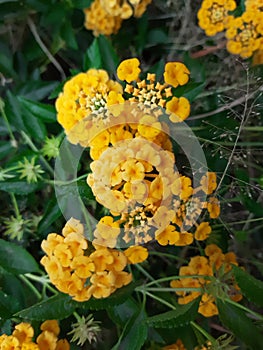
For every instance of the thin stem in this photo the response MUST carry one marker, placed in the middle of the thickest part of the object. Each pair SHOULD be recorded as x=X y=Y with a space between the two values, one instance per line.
x=42 y=280
x=16 y=209
x=12 y=137
x=143 y=271
x=203 y=331
x=169 y=289
x=242 y=307
x=171 y=278
x=64 y=183
x=168 y=256
x=34 y=148
x=31 y=286
x=52 y=59
x=164 y=302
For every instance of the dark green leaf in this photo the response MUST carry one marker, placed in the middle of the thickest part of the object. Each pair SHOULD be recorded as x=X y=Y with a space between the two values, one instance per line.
x=16 y=259
x=156 y=36
x=44 y=112
x=243 y=328
x=183 y=315
x=13 y=112
x=123 y=312
x=57 y=307
x=68 y=35
x=251 y=287
x=5 y=148
x=18 y=187
x=82 y=4
x=51 y=214
x=35 y=128
x=135 y=333
x=92 y=58
x=8 y=305
x=110 y=58
x=6 y=66
x=37 y=89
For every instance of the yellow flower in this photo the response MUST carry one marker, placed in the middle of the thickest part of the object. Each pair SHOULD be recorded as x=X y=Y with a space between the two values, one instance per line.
x=185 y=238
x=207 y=306
x=83 y=266
x=203 y=231
x=176 y=346
x=24 y=332
x=10 y=342
x=29 y=346
x=213 y=207
x=63 y=344
x=136 y=254
x=100 y=21
x=47 y=341
x=129 y=70
x=51 y=326
x=168 y=236
x=179 y=109
x=176 y=73
x=132 y=170
x=208 y=182
x=102 y=258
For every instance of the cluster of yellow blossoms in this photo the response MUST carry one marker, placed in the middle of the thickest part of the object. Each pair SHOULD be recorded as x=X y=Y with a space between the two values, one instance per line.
x=22 y=338
x=105 y=17
x=82 y=270
x=215 y=264
x=244 y=33
x=176 y=346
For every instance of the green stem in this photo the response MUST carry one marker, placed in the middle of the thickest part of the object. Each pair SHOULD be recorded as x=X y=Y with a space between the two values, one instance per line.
x=143 y=271
x=203 y=332
x=238 y=222
x=42 y=280
x=258 y=316
x=16 y=209
x=164 y=302
x=34 y=148
x=64 y=183
x=167 y=279
x=31 y=286
x=12 y=137
x=169 y=289
x=168 y=256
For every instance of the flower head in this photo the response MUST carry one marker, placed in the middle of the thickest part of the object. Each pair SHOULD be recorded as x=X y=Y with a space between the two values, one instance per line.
x=85 y=329
x=29 y=170
x=129 y=70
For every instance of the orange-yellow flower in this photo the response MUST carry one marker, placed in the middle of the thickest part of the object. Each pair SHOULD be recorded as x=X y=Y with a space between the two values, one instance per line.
x=179 y=109
x=203 y=231
x=176 y=73
x=129 y=70
x=136 y=254
x=24 y=332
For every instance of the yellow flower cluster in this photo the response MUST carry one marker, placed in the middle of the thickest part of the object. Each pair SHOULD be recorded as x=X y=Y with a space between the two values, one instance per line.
x=22 y=338
x=213 y=15
x=216 y=264
x=82 y=270
x=84 y=94
x=176 y=346
x=244 y=33
x=105 y=17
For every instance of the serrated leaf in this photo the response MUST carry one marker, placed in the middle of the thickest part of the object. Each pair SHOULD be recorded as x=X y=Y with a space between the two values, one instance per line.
x=251 y=287
x=243 y=328
x=18 y=187
x=44 y=112
x=16 y=259
x=116 y=298
x=183 y=315
x=57 y=307
x=135 y=333
x=92 y=58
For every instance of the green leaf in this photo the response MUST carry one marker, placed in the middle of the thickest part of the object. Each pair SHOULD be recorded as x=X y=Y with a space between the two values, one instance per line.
x=16 y=259
x=183 y=315
x=92 y=57
x=116 y=298
x=8 y=305
x=121 y=313
x=68 y=35
x=156 y=36
x=51 y=214
x=135 y=333
x=44 y=112
x=243 y=328
x=57 y=307
x=110 y=58
x=18 y=187
x=82 y=4
x=6 y=66
x=251 y=287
